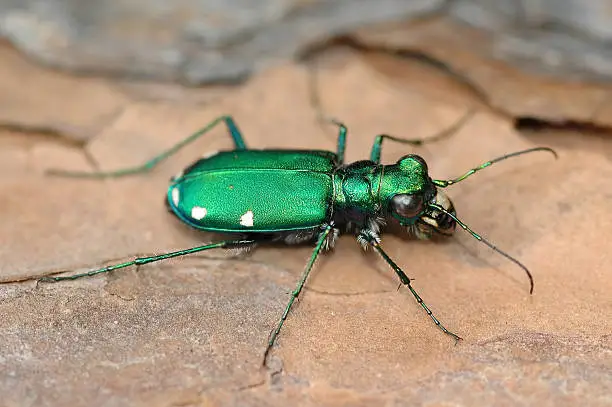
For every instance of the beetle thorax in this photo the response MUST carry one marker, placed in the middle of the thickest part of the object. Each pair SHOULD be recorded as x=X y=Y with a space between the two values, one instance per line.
x=356 y=188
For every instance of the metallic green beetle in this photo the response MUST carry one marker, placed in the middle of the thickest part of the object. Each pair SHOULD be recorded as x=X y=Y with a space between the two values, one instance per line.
x=301 y=196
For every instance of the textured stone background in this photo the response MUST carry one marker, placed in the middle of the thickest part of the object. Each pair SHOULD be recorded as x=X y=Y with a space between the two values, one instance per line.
x=211 y=40
x=191 y=331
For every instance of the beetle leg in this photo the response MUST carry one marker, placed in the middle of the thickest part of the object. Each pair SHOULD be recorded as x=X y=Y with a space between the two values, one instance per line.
x=374 y=241
x=295 y=293
x=228 y=120
x=377 y=146
x=342 y=130
x=315 y=102
x=226 y=244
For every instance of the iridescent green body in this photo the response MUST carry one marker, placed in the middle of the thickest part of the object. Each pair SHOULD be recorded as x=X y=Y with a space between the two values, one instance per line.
x=365 y=189
x=300 y=196
x=271 y=191
x=256 y=191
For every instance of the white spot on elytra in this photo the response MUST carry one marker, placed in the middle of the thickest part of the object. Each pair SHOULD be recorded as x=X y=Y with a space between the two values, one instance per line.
x=175 y=196
x=197 y=212
x=247 y=219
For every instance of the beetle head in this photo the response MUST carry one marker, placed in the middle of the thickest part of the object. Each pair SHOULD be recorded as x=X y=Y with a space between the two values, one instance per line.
x=416 y=200
x=412 y=204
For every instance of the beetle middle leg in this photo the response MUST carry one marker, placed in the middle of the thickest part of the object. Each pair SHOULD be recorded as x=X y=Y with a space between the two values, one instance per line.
x=449 y=131
x=372 y=240
x=341 y=144
x=235 y=133
x=321 y=240
x=315 y=101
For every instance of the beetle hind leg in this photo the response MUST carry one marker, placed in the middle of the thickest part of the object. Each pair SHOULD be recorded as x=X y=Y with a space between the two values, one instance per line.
x=229 y=122
x=226 y=244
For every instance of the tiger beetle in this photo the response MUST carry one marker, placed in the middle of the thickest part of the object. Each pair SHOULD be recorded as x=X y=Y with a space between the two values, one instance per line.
x=306 y=196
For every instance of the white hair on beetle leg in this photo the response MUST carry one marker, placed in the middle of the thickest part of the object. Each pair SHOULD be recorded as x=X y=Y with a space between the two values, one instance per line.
x=330 y=240
x=298 y=237
x=241 y=250
x=365 y=242
x=376 y=224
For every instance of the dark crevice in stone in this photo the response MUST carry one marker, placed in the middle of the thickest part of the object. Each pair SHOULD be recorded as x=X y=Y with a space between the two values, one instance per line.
x=401 y=53
x=521 y=123
x=534 y=124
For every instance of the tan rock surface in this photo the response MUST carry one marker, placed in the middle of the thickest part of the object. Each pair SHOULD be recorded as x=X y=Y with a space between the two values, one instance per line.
x=507 y=90
x=191 y=331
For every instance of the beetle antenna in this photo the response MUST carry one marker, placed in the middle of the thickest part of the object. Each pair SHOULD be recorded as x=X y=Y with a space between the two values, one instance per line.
x=483 y=240
x=445 y=183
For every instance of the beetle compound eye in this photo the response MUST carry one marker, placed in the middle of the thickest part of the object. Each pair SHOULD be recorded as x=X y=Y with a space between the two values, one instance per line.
x=407 y=206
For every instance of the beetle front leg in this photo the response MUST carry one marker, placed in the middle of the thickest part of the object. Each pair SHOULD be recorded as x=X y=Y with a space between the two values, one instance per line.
x=374 y=241
x=152 y=163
